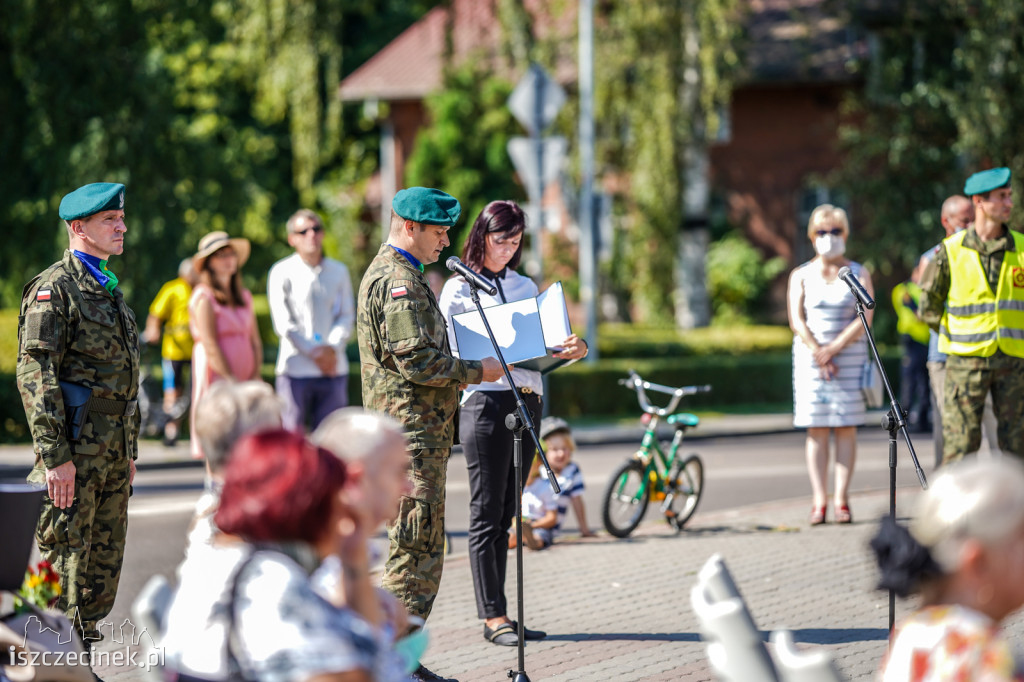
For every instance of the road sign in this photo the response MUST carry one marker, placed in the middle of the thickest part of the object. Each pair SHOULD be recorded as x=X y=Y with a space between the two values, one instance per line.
x=535 y=97
x=525 y=151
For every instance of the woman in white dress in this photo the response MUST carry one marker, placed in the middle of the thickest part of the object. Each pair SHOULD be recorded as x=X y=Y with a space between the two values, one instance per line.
x=829 y=351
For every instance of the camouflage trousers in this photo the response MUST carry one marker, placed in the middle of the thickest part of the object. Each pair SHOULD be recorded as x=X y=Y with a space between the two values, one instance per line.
x=965 y=392
x=85 y=542
x=416 y=556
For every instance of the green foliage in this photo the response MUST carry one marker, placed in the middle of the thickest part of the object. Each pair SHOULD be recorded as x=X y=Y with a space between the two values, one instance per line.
x=942 y=98
x=738 y=276
x=218 y=115
x=633 y=341
x=464 y=149
x=666 y=68
x=589 y=390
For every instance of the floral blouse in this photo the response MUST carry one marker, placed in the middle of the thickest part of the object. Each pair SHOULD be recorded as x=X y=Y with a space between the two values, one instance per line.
x=949 y=643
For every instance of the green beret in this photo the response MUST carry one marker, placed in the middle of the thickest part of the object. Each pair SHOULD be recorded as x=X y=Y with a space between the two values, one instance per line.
x=428 y=206
x=90 y=199
x=987 y=180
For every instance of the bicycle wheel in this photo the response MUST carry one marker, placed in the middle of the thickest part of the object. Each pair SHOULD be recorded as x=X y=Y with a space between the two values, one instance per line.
x=683 y=491
x=625 y=499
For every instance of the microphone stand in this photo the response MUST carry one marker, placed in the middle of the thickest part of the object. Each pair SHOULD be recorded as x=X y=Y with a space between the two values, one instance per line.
x=892 y=422
x=517 y=422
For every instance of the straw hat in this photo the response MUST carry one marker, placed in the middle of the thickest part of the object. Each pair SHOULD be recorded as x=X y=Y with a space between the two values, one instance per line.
x=215 y=241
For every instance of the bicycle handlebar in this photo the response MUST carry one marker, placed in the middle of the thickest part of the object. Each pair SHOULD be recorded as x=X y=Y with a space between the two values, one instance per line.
x=637 y=383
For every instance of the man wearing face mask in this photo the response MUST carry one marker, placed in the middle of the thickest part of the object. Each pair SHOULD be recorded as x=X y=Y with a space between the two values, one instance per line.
x=957 y=215
x=829 y=352
x=973 y=294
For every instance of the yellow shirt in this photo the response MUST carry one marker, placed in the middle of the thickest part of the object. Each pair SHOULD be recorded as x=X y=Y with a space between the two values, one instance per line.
x=171 y=306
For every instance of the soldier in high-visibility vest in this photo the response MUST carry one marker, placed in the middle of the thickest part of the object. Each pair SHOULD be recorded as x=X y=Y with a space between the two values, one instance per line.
x=973 y=294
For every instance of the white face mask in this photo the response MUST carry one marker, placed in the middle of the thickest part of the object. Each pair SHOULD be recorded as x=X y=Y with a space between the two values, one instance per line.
x=830 y=246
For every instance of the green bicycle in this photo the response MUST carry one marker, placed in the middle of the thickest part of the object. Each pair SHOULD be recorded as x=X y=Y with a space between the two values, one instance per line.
x=654 y=472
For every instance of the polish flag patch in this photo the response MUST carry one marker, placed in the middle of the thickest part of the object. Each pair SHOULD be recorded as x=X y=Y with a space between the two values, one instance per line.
x=43 y=295
x=398 y=292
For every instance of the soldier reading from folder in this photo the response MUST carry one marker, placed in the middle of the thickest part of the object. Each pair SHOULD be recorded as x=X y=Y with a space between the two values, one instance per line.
x=78 y=375
x=409 y=372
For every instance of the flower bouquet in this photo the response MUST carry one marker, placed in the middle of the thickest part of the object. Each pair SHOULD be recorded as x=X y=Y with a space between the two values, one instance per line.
x=41 y=588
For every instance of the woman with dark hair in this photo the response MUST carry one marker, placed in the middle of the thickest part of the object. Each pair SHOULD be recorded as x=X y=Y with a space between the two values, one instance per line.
x=963 y=556
x=222 y=321
x=248 y=610
x=494 y=248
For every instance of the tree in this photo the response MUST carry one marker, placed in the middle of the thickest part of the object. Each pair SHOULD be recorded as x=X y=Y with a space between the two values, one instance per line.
x=665 y=71
x=217 y=115
x=464 y=148
x=940 y=101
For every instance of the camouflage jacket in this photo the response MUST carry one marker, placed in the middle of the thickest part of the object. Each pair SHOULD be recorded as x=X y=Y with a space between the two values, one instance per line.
x=72 y=329
x=408 y=369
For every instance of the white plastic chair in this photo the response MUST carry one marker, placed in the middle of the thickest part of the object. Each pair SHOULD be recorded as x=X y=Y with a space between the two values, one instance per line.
x=802 y=665
x=735 y=648
x=149 y=614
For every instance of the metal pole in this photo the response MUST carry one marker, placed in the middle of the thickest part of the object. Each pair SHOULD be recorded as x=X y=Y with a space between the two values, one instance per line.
x=588 y=225
x=536 y=245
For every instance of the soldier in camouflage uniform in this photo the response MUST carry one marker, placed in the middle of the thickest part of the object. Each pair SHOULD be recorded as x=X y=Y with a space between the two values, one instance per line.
x=973 y=295
x=408 y=371
x=78 y=354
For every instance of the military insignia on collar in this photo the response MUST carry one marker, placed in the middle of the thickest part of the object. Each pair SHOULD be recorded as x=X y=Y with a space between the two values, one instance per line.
x=398 y=292
x=43 y=295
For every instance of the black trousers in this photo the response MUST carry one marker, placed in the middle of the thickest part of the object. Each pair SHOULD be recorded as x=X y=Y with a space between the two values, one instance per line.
x=487 y=446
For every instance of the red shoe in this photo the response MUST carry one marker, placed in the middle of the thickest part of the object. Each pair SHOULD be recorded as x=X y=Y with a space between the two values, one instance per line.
x=843 y=514
x=817 y=516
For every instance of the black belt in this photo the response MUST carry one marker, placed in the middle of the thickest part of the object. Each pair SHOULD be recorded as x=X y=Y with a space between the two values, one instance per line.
x=117 y=407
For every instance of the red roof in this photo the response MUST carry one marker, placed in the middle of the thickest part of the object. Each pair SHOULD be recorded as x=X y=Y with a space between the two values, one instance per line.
x=786 y=41
x=410 y=66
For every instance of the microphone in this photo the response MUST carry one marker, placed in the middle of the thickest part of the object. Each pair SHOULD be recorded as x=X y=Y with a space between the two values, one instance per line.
x=856 y=287
x=474 y=279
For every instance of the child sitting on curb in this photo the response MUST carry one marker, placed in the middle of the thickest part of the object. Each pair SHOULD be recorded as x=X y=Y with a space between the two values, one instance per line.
x=543 y=511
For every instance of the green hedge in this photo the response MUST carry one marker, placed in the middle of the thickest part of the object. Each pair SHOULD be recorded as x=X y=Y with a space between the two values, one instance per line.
x=588 y=390
x=744 y=365
x=631 y=341
x=583 y=390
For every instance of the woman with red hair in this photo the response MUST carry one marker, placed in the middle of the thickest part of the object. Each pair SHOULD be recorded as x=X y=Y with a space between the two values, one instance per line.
x=248 y=609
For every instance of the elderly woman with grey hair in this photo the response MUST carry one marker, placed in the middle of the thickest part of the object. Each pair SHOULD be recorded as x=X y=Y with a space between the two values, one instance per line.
x=963 y=556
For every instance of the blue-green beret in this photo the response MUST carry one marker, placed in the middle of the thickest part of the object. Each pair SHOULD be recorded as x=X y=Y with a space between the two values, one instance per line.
x=90 y=199
x=987 y=180
x=425 y=205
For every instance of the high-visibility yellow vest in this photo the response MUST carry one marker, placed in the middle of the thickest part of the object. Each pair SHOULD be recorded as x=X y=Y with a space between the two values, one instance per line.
x=906 y=301
x=977 y=321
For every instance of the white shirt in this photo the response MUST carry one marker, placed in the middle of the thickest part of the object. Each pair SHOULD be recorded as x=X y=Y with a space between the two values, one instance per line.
x=310 y=307
x=284 y=631
x=455 y=299
x=538 y=499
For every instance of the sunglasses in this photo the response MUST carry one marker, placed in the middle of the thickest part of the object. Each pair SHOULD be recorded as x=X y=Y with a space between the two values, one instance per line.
x=315 y=229
x=835 y=232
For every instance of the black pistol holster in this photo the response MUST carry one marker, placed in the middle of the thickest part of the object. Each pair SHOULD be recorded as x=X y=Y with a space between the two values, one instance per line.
x=76 y=407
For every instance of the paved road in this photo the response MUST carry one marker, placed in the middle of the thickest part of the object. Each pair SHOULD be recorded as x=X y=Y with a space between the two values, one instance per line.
x=747 y=473
x=738 y=472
